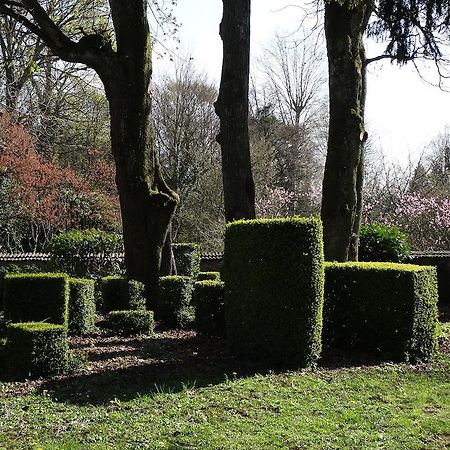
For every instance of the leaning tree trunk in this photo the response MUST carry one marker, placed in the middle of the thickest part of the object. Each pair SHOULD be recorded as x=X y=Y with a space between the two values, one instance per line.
x=232 y=109
x=345 y=23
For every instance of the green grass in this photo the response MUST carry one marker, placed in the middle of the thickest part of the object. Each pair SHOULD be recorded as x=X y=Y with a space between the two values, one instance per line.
x=387 y=406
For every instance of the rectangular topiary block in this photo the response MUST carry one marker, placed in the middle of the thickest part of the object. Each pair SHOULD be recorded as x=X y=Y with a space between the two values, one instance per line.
x=36 y=349
x=381 y=307
x=187 y=258
x=213 y=276
x=209 y=308
x=37 y=297
x=131 y=322
x=81 y=306
x=273 y=274
x=118 y=293
x=174 y=306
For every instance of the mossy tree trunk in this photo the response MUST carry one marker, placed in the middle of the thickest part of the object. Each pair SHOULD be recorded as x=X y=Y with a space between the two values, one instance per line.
x=345 y=23
x=147 y=203
x=232 y=109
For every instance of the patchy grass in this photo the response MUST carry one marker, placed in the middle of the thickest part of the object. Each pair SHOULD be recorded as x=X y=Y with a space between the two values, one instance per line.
x=174 y=391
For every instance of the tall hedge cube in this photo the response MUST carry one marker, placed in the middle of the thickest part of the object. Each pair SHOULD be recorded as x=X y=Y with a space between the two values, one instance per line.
x=81 y=306
x=36 y=349
x=273 y=274
x=209 y=308
x=187 y=258
x=118 y=293
x=386 y=308
x=36 y=297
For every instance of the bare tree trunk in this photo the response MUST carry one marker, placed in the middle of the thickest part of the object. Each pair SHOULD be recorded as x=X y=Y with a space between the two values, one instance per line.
x=345 y=24
x=232 y=109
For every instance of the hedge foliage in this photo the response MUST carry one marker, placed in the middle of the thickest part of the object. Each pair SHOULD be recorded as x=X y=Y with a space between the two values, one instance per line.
x=187 y=259
x=174 y=305
x=81 y=306
x=212 y=276
x=14 y=268
x=381 y=307
x=273 y=274
x=86 y=253
x=37 y=297
x=131 y=322
x=119 y=294
x=209 y=308
x=36 y=349
x=378 y=242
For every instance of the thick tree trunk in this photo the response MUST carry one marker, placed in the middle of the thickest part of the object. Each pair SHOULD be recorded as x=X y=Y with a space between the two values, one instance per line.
x=345 y=23
x=232 y=109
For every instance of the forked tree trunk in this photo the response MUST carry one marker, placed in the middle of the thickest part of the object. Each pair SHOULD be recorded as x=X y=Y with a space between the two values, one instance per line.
x=232 y=109
x=345 y=23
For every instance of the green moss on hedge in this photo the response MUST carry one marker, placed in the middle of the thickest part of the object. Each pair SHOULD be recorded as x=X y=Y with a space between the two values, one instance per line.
x=37 y=297
x=81 y=306
x=174 y=305
x=204 y=276
x=36 y=349
x=381 y=307
x=187 y=259
x=118 y=293
x=209 y=308
x=273 y=274
x=131 y=322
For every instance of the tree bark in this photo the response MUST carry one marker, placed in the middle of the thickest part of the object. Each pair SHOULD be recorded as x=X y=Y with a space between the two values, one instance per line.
x=345 y=23
x=232 y=109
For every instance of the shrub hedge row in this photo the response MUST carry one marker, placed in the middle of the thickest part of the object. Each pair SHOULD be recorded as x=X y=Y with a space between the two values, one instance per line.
x=120 y=294
x=381 y=307
x=174 y=307
x=213 y=276
x=81 y=306
x=273 y=274
x=131 y=322
x=36 y=349
x=209 y=308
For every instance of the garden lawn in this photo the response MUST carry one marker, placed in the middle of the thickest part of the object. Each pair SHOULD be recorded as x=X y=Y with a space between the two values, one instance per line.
x=170 y=392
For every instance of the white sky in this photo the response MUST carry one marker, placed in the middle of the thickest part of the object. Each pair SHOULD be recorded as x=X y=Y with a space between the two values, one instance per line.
x=403 y=113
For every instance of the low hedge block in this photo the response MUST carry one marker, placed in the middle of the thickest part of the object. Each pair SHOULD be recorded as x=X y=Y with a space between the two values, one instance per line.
x=131 y=322
x=204 y=276
x=37 y=297
x=36 y=349
x=81 y=306
x=187 y=259
x=273 y=274
x=118 y=294
x=381 y=307
x=174 y=305
x=209 y=308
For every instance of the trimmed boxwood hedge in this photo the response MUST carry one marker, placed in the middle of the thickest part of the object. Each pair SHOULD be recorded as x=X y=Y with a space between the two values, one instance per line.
x=273 y=274
x=37 y=297
x=209 y=308
x=119 y=294
x=131 y=322
x=187 y=258
x=213 y=276
x=36 y=349
x=81 y=306
x=381 y=307
x=174 y=305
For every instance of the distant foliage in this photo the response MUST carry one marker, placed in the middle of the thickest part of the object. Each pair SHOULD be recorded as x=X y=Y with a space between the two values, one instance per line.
x=378 y=242
x=86 y=253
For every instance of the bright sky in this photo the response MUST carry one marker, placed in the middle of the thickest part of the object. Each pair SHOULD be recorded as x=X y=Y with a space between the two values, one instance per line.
x=403 y=112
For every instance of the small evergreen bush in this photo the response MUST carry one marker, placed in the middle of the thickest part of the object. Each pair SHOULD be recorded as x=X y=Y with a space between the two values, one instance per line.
x=37 y=297
x=212 y=276
x=209 y=308
x=86 y=253
x=36 y=349
x=381 y=307
x=174 y=306
x=81 y=306
x=118 y=293
x=378 y=242
x=273 y=274
x=187 y=259
x=131 y=322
